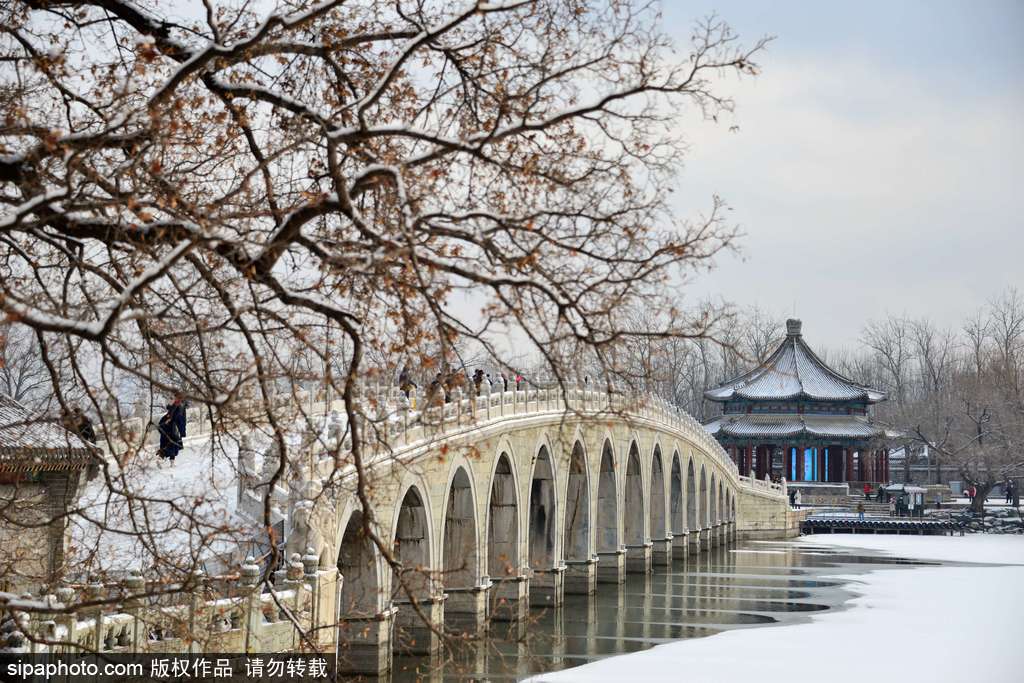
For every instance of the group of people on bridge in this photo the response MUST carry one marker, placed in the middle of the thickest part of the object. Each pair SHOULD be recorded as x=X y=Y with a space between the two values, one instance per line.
x=445 y=383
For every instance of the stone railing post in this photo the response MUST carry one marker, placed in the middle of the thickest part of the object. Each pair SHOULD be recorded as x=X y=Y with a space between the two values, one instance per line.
x=293 y=580
x=310 y=573
x=198 y=580
x=65 y=596
x=94 y=592
x=135 y=586
x=248 y=579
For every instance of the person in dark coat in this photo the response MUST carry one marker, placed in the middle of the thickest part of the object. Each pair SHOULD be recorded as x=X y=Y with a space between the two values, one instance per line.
x=405 y=383
x=172 y=430
x=478 y=380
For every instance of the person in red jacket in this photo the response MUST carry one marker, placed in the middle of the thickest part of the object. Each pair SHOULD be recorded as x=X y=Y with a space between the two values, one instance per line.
x=867 y=491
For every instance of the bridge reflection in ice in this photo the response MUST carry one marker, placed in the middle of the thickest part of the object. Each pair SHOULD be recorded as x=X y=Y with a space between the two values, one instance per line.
x=747 y=586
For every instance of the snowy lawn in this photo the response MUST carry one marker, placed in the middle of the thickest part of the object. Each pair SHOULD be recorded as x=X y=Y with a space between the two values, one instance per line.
x=932 y=624
x=153 y=516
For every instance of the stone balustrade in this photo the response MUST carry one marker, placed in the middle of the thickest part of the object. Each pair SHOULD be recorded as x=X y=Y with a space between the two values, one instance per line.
x=249 y=618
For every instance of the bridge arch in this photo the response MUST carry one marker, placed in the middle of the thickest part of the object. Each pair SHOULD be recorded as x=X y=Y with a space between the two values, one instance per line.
x=607 y=501
x=413 y=546
x=657 y=496
x=692 y=518
x=359 y=563
x=541 y=536
x=705 y=510
x=576 y=542
x=676 y=505
x=503 y=517
x=460 y=545
x=720 y=508
x=633 y=497
x=713 y=499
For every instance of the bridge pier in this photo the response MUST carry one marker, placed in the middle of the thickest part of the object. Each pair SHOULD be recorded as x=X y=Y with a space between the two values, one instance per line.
x=680 y=545
x=638 y=558
x=705 y=539
x=364 y=644
x=509 y=598
x=611 y=567
x=465 y=609
x=547 y=587
x=661 y=551
x=414 y=637
x=694 y=542
x=581 y=576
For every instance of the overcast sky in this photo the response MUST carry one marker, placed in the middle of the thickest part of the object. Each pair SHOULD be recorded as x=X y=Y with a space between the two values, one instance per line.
x=878 y=163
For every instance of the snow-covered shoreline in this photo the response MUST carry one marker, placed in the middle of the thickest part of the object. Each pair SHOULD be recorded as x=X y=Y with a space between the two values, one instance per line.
x=936 y=624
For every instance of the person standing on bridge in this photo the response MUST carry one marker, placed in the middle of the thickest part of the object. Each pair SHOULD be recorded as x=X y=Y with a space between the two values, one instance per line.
x=478 y=380
x=405 y=383
x=504 y=382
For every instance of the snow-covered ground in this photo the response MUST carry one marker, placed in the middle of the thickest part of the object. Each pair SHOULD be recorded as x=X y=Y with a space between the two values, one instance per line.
x=934 y=624
x=151 y=513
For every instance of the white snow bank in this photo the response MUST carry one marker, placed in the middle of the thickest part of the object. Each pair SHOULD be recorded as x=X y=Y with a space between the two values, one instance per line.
x=995 y=549
x=910 y=624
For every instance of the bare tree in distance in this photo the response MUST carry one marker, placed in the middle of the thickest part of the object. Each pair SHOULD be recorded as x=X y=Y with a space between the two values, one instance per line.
x=231 y=207
x=958 y=392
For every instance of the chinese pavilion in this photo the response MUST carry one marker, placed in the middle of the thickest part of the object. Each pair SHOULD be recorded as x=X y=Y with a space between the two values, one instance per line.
x=795 y=417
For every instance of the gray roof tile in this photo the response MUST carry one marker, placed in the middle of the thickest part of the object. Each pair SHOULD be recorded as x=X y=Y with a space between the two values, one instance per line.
x=793 y=371
x=787 y=426
x=29 y=441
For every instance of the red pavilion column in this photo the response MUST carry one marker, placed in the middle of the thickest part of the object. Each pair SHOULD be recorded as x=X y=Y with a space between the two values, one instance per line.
x=848 y=460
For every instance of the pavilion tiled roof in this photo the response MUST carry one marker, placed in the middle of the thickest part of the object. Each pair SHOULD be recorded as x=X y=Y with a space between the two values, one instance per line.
x=793 y=371
x=761 y=426
x=29 y=442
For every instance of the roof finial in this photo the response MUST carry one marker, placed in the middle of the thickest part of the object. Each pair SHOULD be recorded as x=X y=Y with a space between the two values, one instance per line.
x=793 y=327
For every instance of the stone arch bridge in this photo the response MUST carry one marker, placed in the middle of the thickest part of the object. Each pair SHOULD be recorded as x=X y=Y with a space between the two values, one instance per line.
x=513 y=499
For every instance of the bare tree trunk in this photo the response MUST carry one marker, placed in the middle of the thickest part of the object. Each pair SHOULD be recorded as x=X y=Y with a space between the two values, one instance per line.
x=978 y=504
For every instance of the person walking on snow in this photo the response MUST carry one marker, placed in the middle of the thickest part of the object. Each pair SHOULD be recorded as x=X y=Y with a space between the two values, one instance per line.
x=892 y=507
x=172 y=430
x=860 y=510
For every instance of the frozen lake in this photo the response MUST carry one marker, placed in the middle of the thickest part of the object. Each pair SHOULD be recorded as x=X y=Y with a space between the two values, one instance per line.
x=769 y=606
